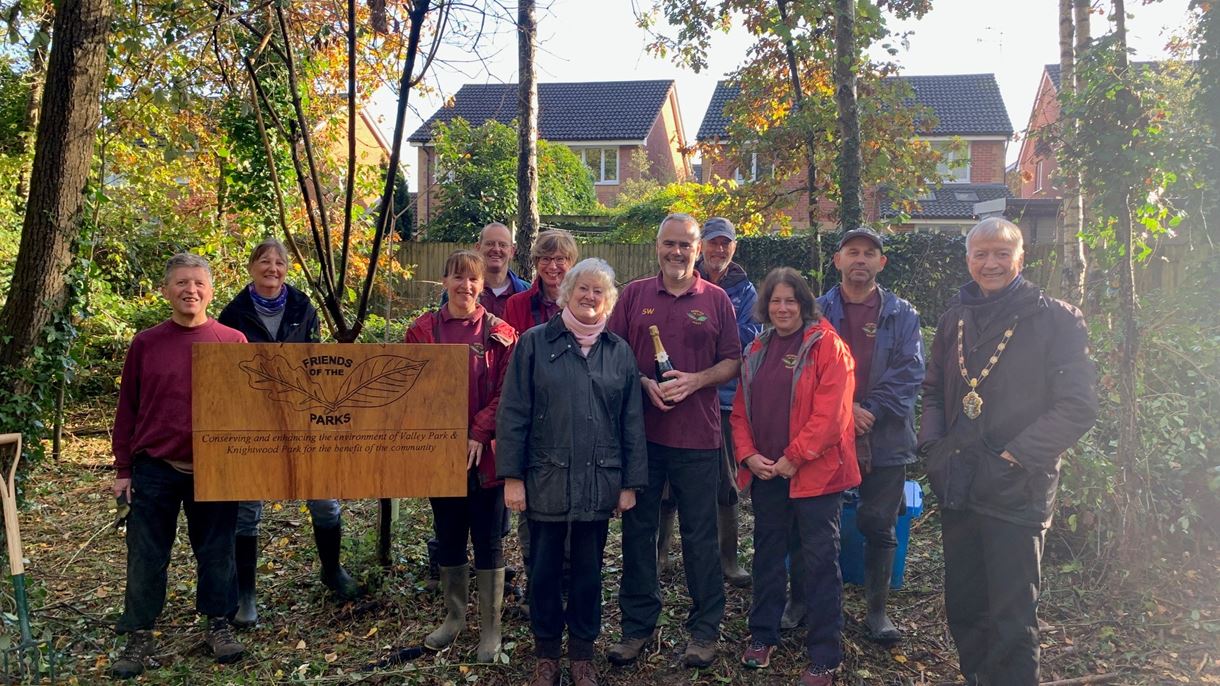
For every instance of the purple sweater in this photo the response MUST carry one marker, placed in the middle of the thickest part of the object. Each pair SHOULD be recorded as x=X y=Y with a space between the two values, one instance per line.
x=154 y=412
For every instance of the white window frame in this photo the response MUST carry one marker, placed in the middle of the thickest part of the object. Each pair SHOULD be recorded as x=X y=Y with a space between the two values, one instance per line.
x=1038 y=176
x=737 y=176
x=947 y=173
x=599 y=173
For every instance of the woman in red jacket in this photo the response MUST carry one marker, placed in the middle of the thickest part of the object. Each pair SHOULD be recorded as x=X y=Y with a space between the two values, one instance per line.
x=480 y=514
x=793 y=431
x=553 y=254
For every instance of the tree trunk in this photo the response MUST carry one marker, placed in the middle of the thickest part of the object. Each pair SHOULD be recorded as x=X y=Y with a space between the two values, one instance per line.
x=1120 y=208
x=38 y=63
x=527 y=135
x=63 y=151
x=1071 y=219
x=851 y=212
x=1207 y=100
x=798 y=105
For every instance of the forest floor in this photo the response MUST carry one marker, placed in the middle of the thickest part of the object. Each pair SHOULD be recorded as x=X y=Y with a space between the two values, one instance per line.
x=1102 y=624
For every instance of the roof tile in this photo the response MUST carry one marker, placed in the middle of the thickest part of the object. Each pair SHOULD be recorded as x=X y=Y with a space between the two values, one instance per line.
x=590 y=111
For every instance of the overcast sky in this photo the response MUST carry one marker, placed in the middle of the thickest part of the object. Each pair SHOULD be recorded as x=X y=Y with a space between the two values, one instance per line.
x=587 y=40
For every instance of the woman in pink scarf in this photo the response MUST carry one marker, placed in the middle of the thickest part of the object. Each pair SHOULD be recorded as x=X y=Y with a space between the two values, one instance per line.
x=570 y=448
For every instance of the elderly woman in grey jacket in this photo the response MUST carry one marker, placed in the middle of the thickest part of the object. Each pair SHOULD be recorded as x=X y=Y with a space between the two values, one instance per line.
x=571 y=449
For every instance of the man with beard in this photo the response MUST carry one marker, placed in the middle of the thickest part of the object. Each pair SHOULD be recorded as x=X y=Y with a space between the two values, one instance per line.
x=1009 y=388
x=882 y=331
x=698 y=329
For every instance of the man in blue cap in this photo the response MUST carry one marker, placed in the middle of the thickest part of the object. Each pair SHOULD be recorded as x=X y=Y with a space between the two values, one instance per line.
x=882 y=331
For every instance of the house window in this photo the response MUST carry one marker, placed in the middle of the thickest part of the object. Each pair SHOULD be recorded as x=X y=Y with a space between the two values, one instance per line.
x=1038 y=177
x=602 y=162
x=751 y=171
x=954 y=165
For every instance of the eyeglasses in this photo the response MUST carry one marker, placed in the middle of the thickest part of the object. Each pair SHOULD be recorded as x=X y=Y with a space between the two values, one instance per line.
x=557 y=260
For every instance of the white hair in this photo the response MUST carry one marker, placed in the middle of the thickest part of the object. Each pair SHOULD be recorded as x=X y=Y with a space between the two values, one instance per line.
x=595 y=267
x=997 y=228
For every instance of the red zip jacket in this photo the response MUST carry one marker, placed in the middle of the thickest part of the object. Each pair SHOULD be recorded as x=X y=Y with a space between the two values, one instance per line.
x=821 y=428
x=527 y=309
x=485 y=392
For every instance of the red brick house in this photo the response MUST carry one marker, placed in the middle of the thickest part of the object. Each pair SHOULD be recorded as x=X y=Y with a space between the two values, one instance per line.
x=606 y=123
x=967 y=106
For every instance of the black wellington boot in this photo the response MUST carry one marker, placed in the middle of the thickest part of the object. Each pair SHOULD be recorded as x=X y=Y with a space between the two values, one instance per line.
x=334 y=575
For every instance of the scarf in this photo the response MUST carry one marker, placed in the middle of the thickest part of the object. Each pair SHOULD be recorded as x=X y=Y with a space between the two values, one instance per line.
x=586 y=334
x=269 y=307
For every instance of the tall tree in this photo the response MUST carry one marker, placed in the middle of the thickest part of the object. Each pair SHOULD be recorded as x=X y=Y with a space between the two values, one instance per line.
x=63 y=152
x=527 y=135
x=851 y=210
x=1207 y=105
x=1071 y=221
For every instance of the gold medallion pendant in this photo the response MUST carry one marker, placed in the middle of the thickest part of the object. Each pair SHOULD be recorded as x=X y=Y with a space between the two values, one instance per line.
x=972 y=404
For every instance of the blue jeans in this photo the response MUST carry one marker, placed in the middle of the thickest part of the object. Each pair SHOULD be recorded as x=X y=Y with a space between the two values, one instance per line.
x=693 y=476
x=816 y=522
x=324 y=513
x=158 y=492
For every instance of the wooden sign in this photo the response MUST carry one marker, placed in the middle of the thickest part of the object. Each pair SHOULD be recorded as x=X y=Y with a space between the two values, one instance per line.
x=294 y=421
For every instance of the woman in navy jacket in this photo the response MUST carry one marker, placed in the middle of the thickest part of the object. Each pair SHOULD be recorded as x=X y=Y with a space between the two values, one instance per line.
x=270 y=311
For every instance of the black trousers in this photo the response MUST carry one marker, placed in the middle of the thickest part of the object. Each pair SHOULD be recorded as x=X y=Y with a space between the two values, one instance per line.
x=158 y=491
x=816 y=521
x=478 y=517
x=693 y=477
x=583 y=613
x=992 y=580
x=881 y=501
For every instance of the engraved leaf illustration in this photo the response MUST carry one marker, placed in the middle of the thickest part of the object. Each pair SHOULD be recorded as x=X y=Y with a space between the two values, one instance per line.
x=379 y=380
x=285 y=383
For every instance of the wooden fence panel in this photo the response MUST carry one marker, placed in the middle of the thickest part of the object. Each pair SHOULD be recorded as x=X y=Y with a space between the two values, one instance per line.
x=1164 y=270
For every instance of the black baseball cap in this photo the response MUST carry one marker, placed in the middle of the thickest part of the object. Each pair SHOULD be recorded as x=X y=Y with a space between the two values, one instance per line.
x=862 y=232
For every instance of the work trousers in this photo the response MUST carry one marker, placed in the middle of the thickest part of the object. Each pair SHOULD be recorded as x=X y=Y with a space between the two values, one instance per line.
x=583 y=612
x=816 y=523
x=477 y=517
x=693 y=477
x=323 y=513
x=158 y=492
x=881 y=501
x=992 y=581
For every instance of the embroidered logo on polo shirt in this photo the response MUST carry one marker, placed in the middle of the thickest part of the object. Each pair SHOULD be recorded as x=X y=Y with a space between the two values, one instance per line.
x=790 y=360
x=647 y=310
x=870 y=329
x=697 y=316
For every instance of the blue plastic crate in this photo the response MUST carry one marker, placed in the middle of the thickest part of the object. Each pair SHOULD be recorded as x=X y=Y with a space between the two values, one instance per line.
x=851 y=550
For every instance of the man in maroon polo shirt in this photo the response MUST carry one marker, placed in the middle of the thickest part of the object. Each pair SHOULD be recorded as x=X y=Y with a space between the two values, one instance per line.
x=699 y=331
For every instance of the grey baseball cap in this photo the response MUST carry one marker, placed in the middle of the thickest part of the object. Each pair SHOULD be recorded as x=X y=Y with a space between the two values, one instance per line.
x=718 y=226
x=862 y=232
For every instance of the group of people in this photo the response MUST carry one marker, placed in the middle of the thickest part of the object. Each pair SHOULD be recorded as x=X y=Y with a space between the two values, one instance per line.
x=679 y=394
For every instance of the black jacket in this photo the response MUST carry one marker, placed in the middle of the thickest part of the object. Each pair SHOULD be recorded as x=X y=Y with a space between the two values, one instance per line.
x=571 y=427
x=299 y=324
x=1038 y=400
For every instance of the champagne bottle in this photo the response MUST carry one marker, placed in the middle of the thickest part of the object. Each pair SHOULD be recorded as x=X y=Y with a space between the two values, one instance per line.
x=663 y=363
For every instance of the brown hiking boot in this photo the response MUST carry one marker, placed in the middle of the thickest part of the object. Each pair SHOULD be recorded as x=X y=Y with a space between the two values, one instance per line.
x=757 y=655
x=546 y=672
x=220 y=639
x=583 y=673
x=699 y=653
x=627 y=650
x=135 y=656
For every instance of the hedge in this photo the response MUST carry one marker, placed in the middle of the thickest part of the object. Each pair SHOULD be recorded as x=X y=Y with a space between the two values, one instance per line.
x=925 y=268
